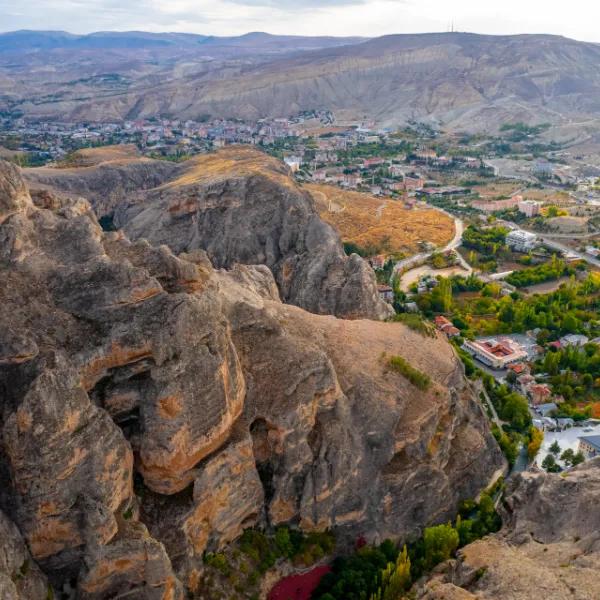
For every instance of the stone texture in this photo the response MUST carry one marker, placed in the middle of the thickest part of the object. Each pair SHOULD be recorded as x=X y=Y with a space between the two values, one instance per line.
x=240 y=206
x=549 y=546
x=20 y=577
x=153 y=407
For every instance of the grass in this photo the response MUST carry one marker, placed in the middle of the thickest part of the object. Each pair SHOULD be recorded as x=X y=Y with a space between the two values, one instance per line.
x=380 y=224
x=417 y=378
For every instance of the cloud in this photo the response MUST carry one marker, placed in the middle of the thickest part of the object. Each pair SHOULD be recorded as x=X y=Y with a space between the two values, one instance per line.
x=305 y=17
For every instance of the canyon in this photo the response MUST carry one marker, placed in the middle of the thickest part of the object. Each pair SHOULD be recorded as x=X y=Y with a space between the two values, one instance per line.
x=155 y=404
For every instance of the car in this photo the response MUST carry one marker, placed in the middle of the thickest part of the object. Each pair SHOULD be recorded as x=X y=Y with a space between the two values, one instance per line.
x=588 y=429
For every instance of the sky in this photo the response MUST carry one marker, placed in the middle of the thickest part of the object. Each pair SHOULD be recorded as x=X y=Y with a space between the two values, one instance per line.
x=576 y=18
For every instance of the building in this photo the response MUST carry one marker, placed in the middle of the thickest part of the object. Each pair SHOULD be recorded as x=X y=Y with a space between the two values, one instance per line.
x=530 y=208
x=413 y=183
x=293 y=162
x=573 y=339
x=386 y=293
x=496 y=353
x=495 y=205
x=521 y=241
x=378 y=261
x=539 y=393
x=590 y=446
x=446 y=326
x=546 y=409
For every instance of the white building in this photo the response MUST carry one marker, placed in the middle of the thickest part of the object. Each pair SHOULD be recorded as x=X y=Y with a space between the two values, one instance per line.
x=293 y=162
x=496 y=353
x=521 y=241
x=530 y=208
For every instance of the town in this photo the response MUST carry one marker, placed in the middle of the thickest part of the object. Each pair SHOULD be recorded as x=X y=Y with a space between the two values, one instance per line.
x=526 y=218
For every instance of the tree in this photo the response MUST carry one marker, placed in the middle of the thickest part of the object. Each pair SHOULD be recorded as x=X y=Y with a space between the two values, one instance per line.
x=537 y=437
x=440 y=543
x=395 y=578
x=578 y=459
x=555 y=448
x=567 y=456
x=549 y=463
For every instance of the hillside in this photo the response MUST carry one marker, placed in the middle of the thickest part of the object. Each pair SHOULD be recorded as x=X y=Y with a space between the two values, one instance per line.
x=460 y=80
x=380 y=224
x=548 y=546
x=237 y=204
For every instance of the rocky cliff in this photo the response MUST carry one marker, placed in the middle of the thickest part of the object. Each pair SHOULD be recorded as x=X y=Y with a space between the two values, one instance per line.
x=240 y=206
x=153 y=407
x=549 y=546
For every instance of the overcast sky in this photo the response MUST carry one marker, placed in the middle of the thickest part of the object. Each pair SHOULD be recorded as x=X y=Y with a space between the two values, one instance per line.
x=576 y=18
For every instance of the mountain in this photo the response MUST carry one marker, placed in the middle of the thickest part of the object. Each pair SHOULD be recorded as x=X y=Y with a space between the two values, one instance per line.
x=460 y=80
x=238 y=205
x=153 y=407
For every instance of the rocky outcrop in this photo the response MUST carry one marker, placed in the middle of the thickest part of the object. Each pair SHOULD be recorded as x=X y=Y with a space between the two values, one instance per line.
x=238 y=205
x=20 y=577
x=153 y=407
x=104 y=178
x=549 y=545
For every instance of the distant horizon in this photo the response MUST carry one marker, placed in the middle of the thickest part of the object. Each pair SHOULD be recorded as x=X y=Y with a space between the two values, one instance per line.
x=271 y=34
x=308 y=18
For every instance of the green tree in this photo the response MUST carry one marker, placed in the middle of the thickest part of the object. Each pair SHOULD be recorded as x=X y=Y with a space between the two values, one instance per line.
x=549 y=463
x=567 y=456
x=578 y=459
x=440 y=543
x=555 y=448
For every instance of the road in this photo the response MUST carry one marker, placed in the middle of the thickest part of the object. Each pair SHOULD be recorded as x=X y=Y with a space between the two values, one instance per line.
x=554 y=245
x=419 y=259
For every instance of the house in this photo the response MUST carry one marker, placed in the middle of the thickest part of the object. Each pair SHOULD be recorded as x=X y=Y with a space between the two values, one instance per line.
x=575 y=340
x=546 y=409
x=556 y=345
x=565 y=423
x=590 y=446
x=378 y=262
x=524 y=382
x=519 y=368
x=496 y=353
x=413 y=183
x=441 y=322
x=446 y=326
x=369 y=163
x=539 y=393
x=386 y=292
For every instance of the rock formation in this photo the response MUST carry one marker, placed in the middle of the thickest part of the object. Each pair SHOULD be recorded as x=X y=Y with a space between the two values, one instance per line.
x=549 y=546
x=153 y=407
x=240 y=206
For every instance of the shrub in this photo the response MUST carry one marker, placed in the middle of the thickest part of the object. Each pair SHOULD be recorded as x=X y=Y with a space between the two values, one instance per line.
x=416 y=377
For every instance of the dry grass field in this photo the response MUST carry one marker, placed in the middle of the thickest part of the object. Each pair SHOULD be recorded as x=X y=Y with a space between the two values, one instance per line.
x=230 y=162
x=498 y=191
x=380 y=224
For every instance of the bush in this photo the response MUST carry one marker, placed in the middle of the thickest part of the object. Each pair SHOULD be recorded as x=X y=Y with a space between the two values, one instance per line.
x=416 y=377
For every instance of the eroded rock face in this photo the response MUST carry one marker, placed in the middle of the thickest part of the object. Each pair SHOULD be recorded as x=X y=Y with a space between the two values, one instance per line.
x=153 y=407
x=549 y=545
x=20 y=577
x=240 y=206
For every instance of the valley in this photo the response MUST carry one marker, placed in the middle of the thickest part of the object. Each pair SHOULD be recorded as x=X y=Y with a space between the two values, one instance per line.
x=309 y=318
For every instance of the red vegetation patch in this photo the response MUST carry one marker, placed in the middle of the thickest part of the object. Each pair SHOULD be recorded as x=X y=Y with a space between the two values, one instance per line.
x=298 y=587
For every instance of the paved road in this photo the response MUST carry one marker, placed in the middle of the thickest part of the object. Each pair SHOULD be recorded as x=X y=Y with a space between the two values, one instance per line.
x=419 y=259
x=554 y=245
